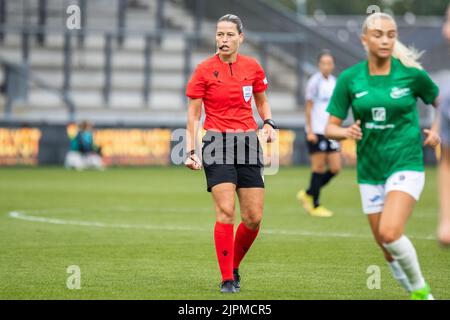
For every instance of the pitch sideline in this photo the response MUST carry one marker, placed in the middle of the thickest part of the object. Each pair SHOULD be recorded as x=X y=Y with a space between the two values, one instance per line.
x=23 y=216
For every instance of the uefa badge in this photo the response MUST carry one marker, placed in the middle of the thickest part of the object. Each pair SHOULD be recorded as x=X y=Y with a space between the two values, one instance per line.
x=247 y=91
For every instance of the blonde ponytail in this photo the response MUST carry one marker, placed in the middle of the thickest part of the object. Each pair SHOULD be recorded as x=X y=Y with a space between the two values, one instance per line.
x=409 y=57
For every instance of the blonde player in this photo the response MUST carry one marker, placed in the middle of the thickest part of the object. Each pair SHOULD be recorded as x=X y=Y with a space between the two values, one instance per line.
x=382 y=92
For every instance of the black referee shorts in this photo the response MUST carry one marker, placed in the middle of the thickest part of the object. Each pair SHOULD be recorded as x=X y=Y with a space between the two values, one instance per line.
x=233 y=158
x=323 y=145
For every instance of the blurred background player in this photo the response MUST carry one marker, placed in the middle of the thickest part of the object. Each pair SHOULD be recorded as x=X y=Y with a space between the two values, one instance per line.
x=84 y=153
x=444 y=167
x=225 y=84
x=383 y=94
x=324 y=153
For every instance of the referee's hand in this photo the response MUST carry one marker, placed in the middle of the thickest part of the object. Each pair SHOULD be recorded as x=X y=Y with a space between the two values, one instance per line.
x=193 y=162
x=269 y=133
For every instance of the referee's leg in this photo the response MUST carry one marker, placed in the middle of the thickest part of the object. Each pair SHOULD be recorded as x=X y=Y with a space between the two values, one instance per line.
x=251 y=202
x=224 y=199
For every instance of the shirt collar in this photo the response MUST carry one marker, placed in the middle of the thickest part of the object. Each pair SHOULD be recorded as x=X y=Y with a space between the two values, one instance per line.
x=238 y=58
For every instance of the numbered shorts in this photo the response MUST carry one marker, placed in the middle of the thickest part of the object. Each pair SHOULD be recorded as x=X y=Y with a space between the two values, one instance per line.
x=323 y=145
x=373 y=196
x=233 y=158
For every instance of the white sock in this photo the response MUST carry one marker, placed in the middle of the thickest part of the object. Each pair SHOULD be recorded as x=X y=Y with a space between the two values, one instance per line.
x=400 y=275
x=403 y=251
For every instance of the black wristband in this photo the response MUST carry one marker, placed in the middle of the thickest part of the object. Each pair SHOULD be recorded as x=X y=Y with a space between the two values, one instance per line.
x=271 y=123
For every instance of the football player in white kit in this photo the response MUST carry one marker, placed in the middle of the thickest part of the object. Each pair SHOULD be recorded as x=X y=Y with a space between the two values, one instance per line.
x=324 y=154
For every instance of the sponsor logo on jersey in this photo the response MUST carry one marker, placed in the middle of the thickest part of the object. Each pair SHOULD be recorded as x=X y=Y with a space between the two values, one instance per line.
x=247 y=91
x=361 y=94
x=379 y=114
x=397 y=93
x=371 y=125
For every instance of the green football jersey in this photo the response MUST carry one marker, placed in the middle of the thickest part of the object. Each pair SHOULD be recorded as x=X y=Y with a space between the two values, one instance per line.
x=387 y=108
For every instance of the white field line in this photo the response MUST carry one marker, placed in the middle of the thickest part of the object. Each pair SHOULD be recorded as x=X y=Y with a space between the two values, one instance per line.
x=95 y=224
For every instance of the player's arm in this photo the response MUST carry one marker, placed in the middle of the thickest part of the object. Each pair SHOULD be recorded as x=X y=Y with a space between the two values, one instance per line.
x=338 y=110
x=308 y=109
x=193 y=120
x=428 y=91
x=309 y=133
x=335 y=131
x=263 y=107
x=432 y=135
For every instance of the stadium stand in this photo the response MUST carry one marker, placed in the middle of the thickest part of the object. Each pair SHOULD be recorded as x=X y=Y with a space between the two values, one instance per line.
x=109 y=73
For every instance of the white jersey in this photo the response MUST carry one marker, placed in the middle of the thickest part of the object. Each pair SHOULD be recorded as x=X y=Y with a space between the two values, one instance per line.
x=444 y=103
x=319 y=90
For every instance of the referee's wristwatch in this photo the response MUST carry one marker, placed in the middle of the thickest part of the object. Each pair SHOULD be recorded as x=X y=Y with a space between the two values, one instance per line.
x=271 y=123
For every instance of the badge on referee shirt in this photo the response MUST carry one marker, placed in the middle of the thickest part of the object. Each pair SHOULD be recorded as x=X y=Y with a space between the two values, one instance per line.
x=247 y=91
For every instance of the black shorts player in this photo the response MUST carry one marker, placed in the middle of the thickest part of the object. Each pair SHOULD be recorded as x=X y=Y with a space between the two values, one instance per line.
x=323 y=153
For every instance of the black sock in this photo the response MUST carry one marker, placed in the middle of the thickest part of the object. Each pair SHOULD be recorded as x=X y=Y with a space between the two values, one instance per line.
x=314 y=187
x=326 y=177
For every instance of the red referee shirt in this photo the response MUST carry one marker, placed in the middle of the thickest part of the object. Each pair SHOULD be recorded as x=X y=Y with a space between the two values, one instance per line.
x=227 y=90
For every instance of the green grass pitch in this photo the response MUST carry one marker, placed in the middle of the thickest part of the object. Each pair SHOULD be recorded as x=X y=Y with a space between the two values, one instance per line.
x=148 y=234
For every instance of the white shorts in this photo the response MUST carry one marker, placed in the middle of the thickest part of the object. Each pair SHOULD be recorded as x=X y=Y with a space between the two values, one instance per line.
x=78 y=161
x=372 y=196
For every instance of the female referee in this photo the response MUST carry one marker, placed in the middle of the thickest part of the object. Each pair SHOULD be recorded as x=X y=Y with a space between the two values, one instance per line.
x=323 y=152
x=231 y=153
x=383 y=93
